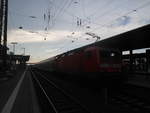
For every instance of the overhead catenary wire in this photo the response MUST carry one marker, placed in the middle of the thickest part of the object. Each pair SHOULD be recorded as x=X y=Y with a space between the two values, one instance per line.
x=67 y=6
x=24 y=15
x=126 y=14
x=92 y=22
x=88 y=16
x=12 y=22
x=105 y=13
x=111 y=20
x=60 y=7
x=108 y=12
x=59 y=13
x=55 y=13
x=64 y=11
x=83 y=20
x=61 y=10
x=107 y=4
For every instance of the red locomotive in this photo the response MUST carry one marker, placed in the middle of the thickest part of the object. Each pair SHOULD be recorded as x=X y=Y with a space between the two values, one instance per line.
x=91 y=61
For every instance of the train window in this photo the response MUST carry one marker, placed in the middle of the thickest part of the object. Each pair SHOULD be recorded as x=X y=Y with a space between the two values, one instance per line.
x=63 y=55
x=88 y=54
x=71 y=54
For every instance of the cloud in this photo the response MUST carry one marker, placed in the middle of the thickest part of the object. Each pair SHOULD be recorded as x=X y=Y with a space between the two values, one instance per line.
x=118 y=28
x=145 y=21
x=23 y=36
x=123 y=21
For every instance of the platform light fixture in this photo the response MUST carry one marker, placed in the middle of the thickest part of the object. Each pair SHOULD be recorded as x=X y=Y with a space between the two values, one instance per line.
x=14 y=43
x=23 y=50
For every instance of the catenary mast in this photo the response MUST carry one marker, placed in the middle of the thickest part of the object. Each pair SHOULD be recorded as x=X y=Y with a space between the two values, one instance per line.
x=3 y=31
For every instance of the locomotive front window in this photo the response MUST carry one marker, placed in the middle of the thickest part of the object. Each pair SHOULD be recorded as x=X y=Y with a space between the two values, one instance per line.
x=108 y=55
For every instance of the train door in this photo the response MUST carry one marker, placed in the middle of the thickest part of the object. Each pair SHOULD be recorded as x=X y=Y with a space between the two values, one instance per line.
x=89 y=61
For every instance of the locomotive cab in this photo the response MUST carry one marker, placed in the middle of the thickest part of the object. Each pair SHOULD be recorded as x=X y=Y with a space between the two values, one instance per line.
x=98 y=59
x=102 y=63
x=109 y=60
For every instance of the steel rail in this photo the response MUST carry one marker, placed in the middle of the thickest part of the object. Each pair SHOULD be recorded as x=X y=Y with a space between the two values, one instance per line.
x=53 y=106
x=62 y=91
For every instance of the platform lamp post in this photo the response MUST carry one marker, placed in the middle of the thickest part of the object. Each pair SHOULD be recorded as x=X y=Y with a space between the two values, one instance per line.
x=14 y=43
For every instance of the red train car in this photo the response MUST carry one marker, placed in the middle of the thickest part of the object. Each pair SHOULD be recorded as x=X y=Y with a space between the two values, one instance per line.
x=70 y=62
x=90 y=61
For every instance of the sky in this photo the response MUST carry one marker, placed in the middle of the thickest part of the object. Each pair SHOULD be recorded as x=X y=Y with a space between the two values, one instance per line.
x=46 y=28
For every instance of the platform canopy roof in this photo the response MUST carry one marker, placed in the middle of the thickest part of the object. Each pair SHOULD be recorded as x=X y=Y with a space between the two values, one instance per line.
x=138 y=38
x=135 y=39
x=19 y=57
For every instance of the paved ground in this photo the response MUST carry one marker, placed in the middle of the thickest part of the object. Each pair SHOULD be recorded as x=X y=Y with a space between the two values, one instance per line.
x=17 y=94
x=7 y=84
x=140 y=80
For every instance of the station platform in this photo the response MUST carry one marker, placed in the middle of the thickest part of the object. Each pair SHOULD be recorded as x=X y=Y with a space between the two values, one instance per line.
x=17 y=94
x=140 y=79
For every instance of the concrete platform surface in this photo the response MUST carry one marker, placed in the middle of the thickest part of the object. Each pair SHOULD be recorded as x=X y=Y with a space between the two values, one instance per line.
x=21 y=95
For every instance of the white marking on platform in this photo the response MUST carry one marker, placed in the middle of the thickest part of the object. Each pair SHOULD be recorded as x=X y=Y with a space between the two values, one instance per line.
x=8 y=106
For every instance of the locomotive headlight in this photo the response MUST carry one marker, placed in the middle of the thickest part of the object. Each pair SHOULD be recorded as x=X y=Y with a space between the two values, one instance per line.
x=112 y=54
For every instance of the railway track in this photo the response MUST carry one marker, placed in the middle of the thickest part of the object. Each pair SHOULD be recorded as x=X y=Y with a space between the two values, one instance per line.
x=122 y=100
x=52 y=98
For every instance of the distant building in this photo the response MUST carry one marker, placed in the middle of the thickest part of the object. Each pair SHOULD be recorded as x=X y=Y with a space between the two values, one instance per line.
x=13 y=60
x=1 y=56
